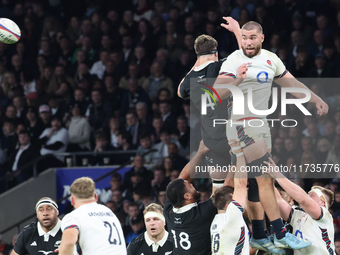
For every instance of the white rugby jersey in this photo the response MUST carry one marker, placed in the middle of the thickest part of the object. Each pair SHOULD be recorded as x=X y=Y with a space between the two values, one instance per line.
x=320 y=232
x=262 y=70
x=100 y=231
x=229 y=232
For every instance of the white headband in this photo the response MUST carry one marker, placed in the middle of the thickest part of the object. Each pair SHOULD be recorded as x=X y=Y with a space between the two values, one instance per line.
x=154 y=214
x=46 y=202
x=320 y=194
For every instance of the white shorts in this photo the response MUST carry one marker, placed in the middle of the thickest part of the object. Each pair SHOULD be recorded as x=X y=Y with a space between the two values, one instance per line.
x=249 y=134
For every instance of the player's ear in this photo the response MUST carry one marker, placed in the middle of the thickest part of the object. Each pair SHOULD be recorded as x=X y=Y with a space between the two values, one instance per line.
x=96 y=196
x=72 y=200
x=262 y=37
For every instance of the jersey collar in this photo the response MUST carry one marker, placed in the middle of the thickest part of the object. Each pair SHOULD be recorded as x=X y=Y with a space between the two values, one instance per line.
x=184 y=209
x=159 y=243
x=52 y=232
x=199 y=68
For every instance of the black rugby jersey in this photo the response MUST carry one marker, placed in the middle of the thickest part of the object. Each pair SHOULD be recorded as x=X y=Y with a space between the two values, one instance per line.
x=29 y=241
x=139 y=245
x=200 y=81
x=190 y=230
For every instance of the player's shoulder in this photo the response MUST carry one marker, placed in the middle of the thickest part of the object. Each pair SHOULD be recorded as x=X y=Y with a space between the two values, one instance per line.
x=30 y=229
x=236 y=53
x=269 y=54
x=138 y=239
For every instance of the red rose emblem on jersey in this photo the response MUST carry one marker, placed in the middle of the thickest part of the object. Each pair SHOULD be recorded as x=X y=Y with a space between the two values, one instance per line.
x=269 y=63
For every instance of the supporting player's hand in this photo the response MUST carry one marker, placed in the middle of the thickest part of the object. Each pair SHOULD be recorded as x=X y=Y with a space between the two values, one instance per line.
x=242 y=71
x=232 y=25
x=202 y=148
x=233 y=143
x=272 y=169
x=322 y=107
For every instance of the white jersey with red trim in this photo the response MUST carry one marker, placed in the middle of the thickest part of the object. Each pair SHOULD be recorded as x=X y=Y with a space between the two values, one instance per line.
x=229 y=232
x=320 y=232
x=100 y=231
x=262 y=70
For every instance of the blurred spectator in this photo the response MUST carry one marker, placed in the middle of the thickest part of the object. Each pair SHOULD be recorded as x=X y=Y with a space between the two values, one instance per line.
x=86 y=46
x=173 y=48
x=79 y=131
x=116 y=183
x=157 y=81
x=174 y=174
x=183 y=132
x=240 y=5
x=132 y=96
x=21 y=157
x=307 y=144
x=316 y=47
x=162 y=58
x=168 y=165
x=113 y=94
x=56 y=106
x=138 y=168
x=296 y=41
x=313 y=132
x=112 y=206
x=58 y=78
x=102 y=145
x=98 y=68
x=161 y=198
x=333 y=156
x=169 y=120
x=133 y=72
x=134 y=126
x=45 y=115
x=8 y=134
x=177 y=160
x=160 y=181
x=303 y=64
x=125 y=144
x=137 y=226
x=80 y=100
x=145 y=145
x=157 y=125
x=114 y=125
x=321 y=69
x=127 y=48
x=55 y=139
x=144 y=118
x=99 y=112
x=117 y=197
x=163 y=147
x=33 y=125
x=323 y=148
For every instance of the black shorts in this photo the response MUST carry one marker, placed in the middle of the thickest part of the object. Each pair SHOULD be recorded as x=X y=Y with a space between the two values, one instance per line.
x=218 y=154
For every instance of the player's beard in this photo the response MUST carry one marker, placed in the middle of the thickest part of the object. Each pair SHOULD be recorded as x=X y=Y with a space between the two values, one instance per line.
x=197 y=195
x=257 y=49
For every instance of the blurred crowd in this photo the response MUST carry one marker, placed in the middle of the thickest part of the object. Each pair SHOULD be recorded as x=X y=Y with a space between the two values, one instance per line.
x=102 y=76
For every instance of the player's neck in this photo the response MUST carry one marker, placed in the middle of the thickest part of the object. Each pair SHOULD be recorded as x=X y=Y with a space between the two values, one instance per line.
x=156 y=239
x=83 y=202
x=205 y=58
x=221 y=211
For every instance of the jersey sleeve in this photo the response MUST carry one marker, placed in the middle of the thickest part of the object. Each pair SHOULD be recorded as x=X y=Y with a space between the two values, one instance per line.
x=19 y=246
x=130 y=249
x=69 y=221
x=324 y=218
x=229 y=66
x=234 y=213
x=280 y=67
x=185 y=87
x=207 y=209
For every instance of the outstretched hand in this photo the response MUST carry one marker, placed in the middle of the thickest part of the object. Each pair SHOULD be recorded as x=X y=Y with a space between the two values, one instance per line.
x=322 y=108
x=232 y=25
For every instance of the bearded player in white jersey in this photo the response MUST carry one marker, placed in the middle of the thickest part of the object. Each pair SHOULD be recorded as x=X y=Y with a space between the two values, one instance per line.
x=93 y=227
x=229 y=232
x=315 y=223
x=263 y=68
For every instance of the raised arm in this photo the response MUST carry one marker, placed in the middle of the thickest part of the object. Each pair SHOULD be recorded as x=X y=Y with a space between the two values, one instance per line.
x=288 y=80
x=180 y=84
x=284 y=207
x=296 y=192
x=189 y=169
x=234 y=27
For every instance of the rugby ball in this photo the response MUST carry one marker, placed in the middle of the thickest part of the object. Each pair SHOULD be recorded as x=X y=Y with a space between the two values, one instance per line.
x=9 y=31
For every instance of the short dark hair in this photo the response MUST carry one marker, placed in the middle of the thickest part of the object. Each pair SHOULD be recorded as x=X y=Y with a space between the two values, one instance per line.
x=24 y=132
x=117 y=176
x=205 y=43
x=175 y=192
x=222 y=197
x=251 y=25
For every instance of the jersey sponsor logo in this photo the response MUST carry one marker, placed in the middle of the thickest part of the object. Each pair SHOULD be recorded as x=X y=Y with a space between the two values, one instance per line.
x=33 y=244
x=201 y=76
x=262 y=77
x=177 y=220
x=57 y=243
x=248 y=64
x=46 y=252
x=269 y=62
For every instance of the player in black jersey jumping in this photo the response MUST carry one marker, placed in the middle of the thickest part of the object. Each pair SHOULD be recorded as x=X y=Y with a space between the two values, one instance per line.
x=203 y=76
